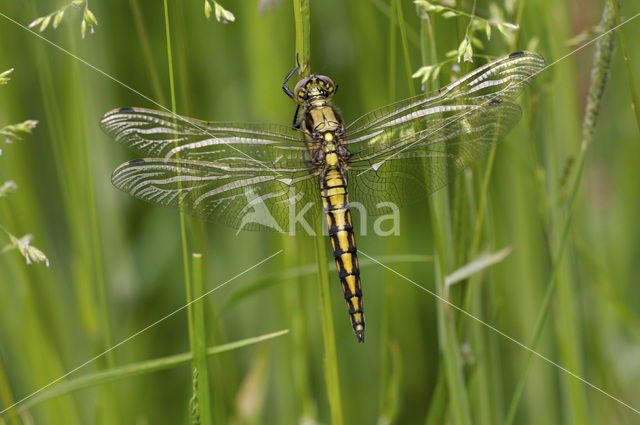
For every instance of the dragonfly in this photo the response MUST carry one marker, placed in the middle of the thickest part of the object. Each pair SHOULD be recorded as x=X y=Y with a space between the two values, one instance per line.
x=251 y=176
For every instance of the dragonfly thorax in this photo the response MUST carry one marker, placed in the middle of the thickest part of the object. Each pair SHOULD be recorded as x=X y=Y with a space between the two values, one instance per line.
x=327 y=150
x=319 y=120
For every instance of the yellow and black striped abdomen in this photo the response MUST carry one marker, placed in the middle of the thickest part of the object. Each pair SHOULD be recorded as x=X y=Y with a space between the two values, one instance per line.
x=336 y=208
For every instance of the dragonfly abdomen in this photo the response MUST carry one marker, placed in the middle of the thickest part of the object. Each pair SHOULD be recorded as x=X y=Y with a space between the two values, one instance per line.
x=336 y=208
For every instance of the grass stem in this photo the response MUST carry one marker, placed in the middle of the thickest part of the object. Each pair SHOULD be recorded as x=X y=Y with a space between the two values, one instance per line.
x=451 y=355
x=635 y=105
x=599 y=74
x=302 y=15
x=199 y=343
x=183 y=226
x=328 y=333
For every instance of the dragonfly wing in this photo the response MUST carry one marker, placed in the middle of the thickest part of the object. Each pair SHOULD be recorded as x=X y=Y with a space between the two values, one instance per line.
x=249 y=176
x=423 y=161
x=245 y=198
x=159 y=134
x=405 y=151
x=504 y=78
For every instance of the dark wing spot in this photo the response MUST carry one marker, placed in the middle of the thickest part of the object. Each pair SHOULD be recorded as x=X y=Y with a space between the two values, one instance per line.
x=495 y=101
x=126 y=110
x=514 y=54
x=136 y=161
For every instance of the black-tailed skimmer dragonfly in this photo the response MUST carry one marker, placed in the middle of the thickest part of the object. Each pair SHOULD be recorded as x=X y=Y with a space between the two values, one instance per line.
x=254 y=176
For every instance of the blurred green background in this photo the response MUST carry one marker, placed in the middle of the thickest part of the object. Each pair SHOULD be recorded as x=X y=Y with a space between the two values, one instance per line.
x=116 y=262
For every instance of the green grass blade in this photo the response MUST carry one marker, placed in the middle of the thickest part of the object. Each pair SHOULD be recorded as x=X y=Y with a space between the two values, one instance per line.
x=302 y=15
x=448 y=339
x=6 y=396
x=437 y=411
x=128 y=371
x=446 y=326
x=405 y=46
x=482 y=262
x=296 y=297
x=183 y=226
x=199 y=344
x=635 y=105
x=391 y=401
x=328 y=332
x=602 y=58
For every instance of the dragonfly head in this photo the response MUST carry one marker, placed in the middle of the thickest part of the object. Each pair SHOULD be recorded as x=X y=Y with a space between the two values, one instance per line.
x=315 y=87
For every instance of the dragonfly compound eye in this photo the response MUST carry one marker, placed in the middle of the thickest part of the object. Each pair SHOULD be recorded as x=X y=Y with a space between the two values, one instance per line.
x=314 y=86
x=327 y=85
x=302 y=89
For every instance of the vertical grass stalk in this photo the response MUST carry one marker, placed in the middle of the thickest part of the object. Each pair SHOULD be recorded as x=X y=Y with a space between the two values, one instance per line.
x=302 y=15
x=183 y=227
x=599 y=74
x=328 y=333
x=199 y=343
x=200 y=376
x=623 y=42
x=296 y=301
x=6 y=396
x=405 y=46
x=472 y=301
x=385 y=415
x=96 y=254
x=147 y=54
x=451 y=354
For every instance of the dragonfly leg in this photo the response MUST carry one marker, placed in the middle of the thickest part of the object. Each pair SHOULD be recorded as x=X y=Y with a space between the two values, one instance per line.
x=286 y=89
x=296 y=123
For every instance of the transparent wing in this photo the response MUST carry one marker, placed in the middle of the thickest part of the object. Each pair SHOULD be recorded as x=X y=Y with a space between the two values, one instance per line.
x=407 y=150
x=505 y=78
x=159 y=134
x=245 y=175
x=242 y=197
x=429 y=159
